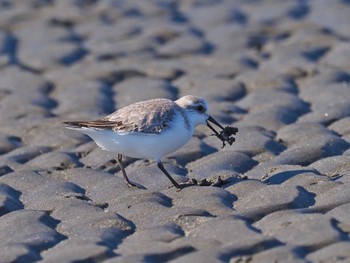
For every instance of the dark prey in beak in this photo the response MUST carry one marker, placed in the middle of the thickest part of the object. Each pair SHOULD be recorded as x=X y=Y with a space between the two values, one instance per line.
x=225 y=135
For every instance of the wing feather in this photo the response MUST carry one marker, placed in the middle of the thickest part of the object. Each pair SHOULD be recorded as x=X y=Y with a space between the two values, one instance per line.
x=151 y=116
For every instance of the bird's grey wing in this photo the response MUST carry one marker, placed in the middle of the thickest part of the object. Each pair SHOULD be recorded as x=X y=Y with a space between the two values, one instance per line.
x=151 y=116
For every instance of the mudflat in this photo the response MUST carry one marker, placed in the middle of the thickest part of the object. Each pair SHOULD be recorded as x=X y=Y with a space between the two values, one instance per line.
x=277 y=70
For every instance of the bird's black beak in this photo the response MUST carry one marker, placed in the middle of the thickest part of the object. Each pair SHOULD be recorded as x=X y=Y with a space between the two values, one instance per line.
x=212 y=120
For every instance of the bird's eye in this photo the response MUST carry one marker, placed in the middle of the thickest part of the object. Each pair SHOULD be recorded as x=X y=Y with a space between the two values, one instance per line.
x=200 y=108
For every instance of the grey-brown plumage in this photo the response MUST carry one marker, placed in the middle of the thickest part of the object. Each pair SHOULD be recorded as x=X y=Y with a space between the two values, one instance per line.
x=152 y=116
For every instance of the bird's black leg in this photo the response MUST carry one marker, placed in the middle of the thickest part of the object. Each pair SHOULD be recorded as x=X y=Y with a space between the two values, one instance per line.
x=161 y=167
x=128 y=182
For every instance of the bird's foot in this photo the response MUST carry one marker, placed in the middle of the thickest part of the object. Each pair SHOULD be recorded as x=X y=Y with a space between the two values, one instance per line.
x=218 y=182
x=135 y=185
x=204 y=182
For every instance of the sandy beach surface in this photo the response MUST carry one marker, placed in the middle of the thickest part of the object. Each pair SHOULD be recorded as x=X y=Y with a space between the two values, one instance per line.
x=277 y=70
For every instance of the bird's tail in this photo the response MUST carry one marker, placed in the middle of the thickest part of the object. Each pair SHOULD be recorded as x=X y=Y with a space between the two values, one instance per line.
x=75 y=125
x=96 y=125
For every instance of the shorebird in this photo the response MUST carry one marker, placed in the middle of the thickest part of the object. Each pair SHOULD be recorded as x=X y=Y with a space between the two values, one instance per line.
x=150 y=129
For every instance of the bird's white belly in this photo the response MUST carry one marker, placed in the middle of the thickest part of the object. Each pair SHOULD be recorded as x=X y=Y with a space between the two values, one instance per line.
x=142 y=145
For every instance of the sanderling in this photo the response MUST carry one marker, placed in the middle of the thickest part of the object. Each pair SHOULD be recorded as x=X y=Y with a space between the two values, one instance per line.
x=151 y=129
